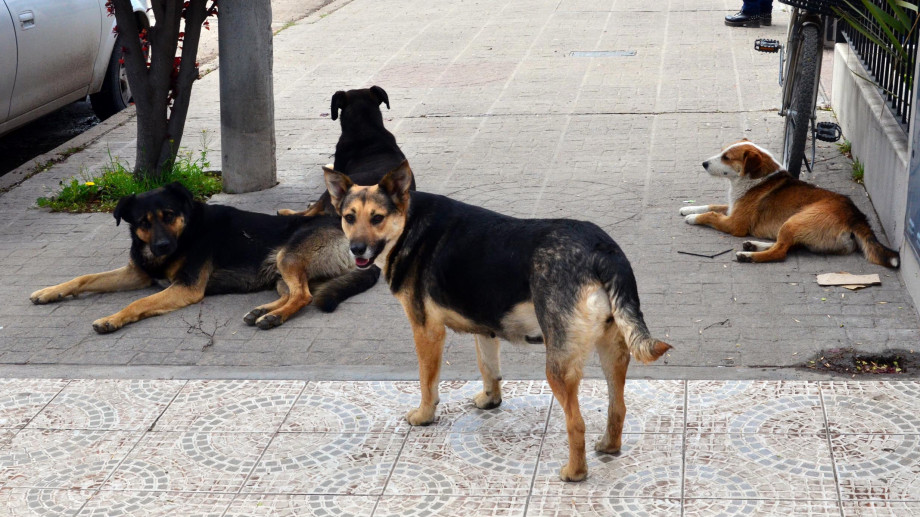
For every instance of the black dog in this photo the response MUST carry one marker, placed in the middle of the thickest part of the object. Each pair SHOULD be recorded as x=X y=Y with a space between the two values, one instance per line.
x=366 y=151
x=203 y=249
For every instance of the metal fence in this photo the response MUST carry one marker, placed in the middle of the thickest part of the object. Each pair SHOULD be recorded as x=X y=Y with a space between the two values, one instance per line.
x=894 y=76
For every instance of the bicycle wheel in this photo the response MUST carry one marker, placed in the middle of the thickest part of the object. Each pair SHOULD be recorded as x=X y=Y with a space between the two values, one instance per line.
x=802 y=101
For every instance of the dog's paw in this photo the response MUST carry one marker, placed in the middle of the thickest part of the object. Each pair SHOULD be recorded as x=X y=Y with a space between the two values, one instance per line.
x=46 y=295
x=269 y=321
x=573 y=474
x=251 y=316
x=485 y=400
x=605 y=446
x=286 y=211
x=744 y=256
x=691 y=219
x=688 y=210
x=748 y=246
x=106 y=325
x=420 y=416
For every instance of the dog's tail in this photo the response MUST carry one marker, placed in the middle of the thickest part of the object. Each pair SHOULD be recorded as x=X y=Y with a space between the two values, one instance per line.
x=874 y=251
x=331 y=293
x=624 y=299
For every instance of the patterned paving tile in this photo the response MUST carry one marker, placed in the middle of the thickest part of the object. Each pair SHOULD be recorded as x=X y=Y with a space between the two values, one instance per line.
x=22 y=399
x=22 y=502
x=255 y=505
x=250 y=406
x=867 y=407
x=758 y=466
x=648 y=464
x=156 y=504
x=651 y=407
x=424 y=505
x=438 y=463
x=326 y=463
x=878 y=466
x=759 y=507
x=189 y=462
x=754 y=407
x=880 y=509
x=382 y=407
x=62 y=459
x=554 y=506
x=107 y=404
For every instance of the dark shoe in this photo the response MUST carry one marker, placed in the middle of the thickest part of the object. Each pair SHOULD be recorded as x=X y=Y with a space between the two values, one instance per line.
x=743 y=19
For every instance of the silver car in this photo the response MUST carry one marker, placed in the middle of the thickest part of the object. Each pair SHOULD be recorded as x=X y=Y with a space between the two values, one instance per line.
x=54 y=52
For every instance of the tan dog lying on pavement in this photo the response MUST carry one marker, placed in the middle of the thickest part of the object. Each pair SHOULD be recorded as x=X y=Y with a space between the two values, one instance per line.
x=766 y=201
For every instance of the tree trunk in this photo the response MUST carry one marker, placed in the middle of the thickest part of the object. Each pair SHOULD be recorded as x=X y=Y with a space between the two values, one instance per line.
x=163 y=90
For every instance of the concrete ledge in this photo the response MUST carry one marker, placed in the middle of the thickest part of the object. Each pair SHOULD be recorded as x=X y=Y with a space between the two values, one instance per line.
x=878 y=140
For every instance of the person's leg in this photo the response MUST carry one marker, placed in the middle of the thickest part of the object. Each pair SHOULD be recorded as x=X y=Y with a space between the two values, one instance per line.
x=748 y=16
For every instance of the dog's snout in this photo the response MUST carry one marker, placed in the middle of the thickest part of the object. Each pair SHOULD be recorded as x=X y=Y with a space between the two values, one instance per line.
x=358 y=248
x=706 y=164
x=160 y=247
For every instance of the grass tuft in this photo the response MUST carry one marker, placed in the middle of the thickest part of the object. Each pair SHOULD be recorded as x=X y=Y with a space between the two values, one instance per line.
x=858 y=171
x=101 y=193
x=846 y=148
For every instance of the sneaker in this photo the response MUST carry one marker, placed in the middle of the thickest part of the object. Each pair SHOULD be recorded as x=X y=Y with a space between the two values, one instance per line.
x=743 y=19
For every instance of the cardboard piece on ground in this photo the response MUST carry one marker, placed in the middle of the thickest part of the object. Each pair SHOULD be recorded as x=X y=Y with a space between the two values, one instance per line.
x=851 y=282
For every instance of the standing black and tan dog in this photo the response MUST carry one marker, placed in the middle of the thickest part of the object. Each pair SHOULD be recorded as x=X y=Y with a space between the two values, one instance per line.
x=365 y=150
x=766 y=201
x=558 y=281
x=200 y=249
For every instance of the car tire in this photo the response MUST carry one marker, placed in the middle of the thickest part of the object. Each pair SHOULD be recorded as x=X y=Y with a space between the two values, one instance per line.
x=115 y=94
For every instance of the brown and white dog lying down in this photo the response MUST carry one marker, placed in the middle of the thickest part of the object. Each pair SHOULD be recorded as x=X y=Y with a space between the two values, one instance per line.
x=766 y=201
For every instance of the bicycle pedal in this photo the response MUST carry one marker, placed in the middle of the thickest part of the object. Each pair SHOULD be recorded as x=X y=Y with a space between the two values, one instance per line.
x=827 y=132
x=767 y=45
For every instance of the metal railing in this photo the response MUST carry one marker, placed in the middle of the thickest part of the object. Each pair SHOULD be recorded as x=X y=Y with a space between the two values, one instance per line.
x=893 y=76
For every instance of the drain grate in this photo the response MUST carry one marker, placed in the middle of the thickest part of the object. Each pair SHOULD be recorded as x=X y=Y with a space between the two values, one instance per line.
x=602 y=53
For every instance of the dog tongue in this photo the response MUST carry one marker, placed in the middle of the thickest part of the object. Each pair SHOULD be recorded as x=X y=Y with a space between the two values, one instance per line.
x=361 y=262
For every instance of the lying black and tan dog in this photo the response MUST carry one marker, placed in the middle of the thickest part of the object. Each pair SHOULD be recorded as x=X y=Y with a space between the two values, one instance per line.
x=200 y=249
x=558 y=281
x=365 y=150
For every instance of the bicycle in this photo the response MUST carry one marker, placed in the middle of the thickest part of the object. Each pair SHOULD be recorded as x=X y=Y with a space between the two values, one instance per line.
x=799 y=75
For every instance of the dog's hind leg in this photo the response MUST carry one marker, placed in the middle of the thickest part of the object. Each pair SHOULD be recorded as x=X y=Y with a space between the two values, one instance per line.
x=756 y=245
x=794 y=231
x=429 y=346
x=293 y=269
x=122 y=279
x=614 y=356
x=487 y=355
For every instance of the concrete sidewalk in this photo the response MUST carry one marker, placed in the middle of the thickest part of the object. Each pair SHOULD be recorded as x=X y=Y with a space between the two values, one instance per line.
x=492 y=108
x=254 y=448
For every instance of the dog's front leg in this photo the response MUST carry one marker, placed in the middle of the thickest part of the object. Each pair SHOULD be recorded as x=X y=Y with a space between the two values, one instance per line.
x=723 y=223
x=702 y=209
x=121 y=279
x=429 y=345
x=173 y=297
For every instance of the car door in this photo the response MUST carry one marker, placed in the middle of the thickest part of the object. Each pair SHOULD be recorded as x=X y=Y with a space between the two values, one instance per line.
x=57 y=41
x=7 y=60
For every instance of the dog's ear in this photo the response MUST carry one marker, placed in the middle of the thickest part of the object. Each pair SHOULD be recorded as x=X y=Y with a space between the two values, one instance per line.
x=396 y=184
x=756 y=165
x=338 y=186
x=123 y=210
x=381 y=95
x=183 y=194
x=339 y=101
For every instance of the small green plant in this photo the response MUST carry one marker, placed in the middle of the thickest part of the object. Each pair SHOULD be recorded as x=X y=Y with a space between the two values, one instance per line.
x=846 y=148
x=858 y=171
x=101 y=193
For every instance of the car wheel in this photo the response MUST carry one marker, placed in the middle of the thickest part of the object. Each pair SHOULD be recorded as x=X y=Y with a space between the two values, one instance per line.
x=115 y=94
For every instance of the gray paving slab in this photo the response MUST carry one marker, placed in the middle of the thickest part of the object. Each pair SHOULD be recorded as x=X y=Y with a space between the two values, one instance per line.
x=491 y=108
